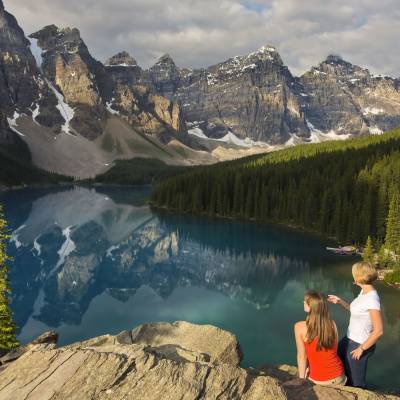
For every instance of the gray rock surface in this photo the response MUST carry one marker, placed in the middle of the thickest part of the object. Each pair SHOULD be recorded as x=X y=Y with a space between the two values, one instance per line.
x=252 y=96
x=123 y=69
x=18 y=72
x=53 y=80
x=142 y=365
x=255 y=96
x=348 y=99
x=68 y=65
x=223 y=348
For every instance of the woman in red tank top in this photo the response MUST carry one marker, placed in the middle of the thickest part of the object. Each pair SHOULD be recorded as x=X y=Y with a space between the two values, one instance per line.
x=316 y=342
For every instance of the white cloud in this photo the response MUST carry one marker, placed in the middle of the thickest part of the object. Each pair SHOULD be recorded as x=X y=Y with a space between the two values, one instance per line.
x=199 y=33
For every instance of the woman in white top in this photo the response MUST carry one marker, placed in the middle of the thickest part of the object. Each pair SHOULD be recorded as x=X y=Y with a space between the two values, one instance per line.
x=365 y=327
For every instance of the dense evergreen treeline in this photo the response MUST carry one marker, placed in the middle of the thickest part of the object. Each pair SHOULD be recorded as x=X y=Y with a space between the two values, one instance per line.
x=16 y=168
x=138 y=171
x=342 y=189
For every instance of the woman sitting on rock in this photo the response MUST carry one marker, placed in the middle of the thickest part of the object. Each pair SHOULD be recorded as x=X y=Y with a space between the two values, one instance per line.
x=365 y=328
x=316 y=341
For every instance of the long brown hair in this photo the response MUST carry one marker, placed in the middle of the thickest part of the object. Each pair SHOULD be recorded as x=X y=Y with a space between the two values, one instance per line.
x=319 y=322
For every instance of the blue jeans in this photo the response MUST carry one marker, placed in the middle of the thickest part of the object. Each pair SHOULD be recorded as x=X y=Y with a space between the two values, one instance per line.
x=356 y=370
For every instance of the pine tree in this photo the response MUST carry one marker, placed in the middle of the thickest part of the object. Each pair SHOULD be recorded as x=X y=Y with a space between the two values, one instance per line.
x=385 y=260
x=368 y=254
x=381 y=211
x=8 y=339
x=392 y=240
x=343 y=189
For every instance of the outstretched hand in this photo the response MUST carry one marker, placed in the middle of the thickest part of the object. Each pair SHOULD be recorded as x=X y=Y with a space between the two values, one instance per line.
x=334 y=299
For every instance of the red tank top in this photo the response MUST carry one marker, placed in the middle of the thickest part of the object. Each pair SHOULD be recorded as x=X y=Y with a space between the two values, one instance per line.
x=324 y=364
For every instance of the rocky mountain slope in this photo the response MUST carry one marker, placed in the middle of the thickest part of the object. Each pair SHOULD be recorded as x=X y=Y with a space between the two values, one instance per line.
x=347 y=99
x=255 y=97
x=75 y=114
x=252 y=96
x=154 y=361
x=70 y=109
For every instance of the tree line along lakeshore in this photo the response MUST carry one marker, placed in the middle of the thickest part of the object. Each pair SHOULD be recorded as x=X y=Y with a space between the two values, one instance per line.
x=348 y=190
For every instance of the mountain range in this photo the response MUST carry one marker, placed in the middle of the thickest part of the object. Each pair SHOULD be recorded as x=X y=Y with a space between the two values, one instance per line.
x=78 y=115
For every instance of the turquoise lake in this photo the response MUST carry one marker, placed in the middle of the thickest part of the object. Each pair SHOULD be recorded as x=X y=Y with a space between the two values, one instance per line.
x=95 y=261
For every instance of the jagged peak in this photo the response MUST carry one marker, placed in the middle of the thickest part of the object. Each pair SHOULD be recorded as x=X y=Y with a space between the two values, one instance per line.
x=51 y=37
x=334 y=58
x=165 y=58
x=1 y=5
x=55 y=31
x=267 y=51
x=334 y=64
x=46 y=31
x=123 y=59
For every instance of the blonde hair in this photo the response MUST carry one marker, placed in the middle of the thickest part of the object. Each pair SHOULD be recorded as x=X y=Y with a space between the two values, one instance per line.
x=319 y=322
x=364 y=273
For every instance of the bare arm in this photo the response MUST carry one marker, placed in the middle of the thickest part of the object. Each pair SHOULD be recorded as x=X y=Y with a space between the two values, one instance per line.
x=377 y=332
x=336 y=332
x=337 y=300
x=302 y=361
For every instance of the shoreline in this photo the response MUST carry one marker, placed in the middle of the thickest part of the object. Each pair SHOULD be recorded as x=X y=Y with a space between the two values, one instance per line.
x=285 y=225
x=292 y=227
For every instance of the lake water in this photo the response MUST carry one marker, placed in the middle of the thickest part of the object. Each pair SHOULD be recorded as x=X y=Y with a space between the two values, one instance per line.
x=95 y=261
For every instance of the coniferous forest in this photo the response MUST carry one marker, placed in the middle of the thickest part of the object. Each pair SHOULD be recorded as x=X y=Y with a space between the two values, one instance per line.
x=347 y=190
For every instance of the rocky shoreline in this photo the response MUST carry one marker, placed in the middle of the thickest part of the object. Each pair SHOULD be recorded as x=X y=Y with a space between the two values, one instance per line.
x=154 y=361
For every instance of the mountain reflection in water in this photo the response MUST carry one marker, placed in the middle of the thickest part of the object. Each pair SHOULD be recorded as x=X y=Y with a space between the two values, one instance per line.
x=94 y=261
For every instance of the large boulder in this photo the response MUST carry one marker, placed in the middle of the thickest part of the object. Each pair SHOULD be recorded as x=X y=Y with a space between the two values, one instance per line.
x=216 y=345
x=155 y=361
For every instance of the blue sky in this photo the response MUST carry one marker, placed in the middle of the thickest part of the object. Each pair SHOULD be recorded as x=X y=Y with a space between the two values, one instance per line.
x=201 y=33
x=254 y=6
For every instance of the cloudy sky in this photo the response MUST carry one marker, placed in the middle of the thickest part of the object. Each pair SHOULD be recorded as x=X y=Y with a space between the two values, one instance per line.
x=203 y=32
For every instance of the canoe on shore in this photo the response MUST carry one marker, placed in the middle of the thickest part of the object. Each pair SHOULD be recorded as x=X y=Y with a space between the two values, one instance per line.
x=345 y=250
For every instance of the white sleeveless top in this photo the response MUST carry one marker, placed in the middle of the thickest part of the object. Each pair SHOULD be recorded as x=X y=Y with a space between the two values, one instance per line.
x=360 y=326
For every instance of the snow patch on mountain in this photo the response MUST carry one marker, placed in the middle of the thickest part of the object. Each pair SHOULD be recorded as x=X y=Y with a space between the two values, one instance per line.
x=12 y=122
x=263 y=50
x=119 y=65
x=197 y=132
x=66 y=111
x=109 y=107
x=37 y=52
x=37 y=247
x=316 y=136
x=211 y=79
x=35 y=113
x=375 y=130
x=229 y=138
x=110 y=250
x=67 y=247
x=373 y=111
x=14 y=237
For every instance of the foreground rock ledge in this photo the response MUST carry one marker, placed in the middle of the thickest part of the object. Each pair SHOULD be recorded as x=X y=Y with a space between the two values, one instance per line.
x=154 y=361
